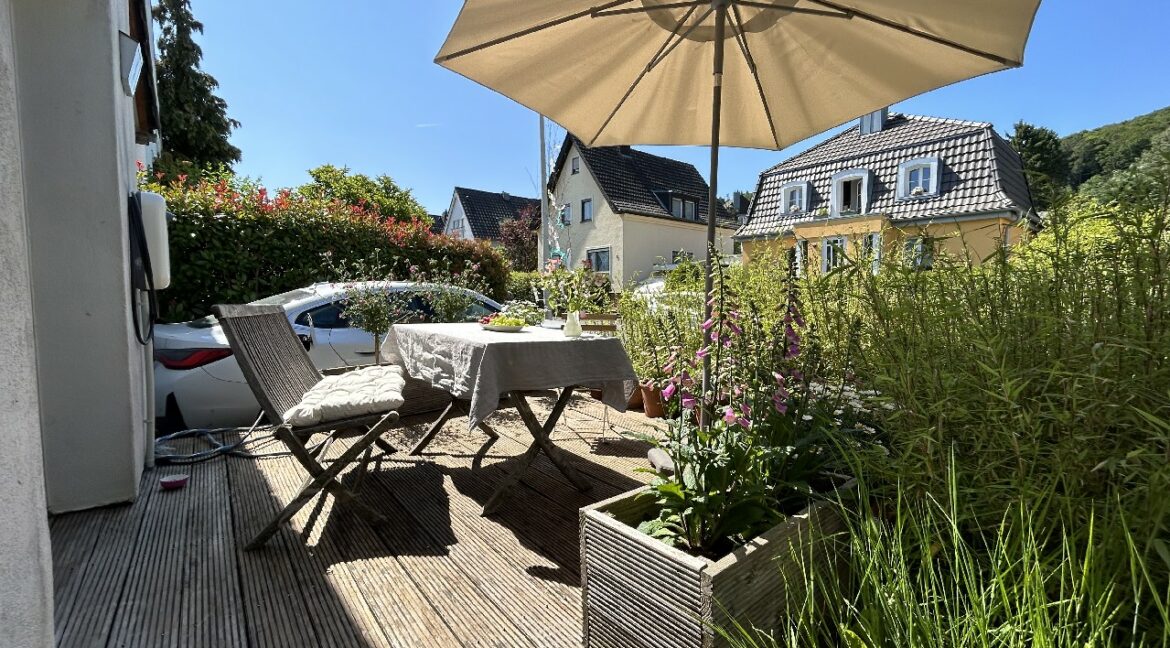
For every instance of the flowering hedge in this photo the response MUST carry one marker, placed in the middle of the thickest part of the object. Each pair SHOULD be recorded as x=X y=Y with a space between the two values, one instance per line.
x=232 y=241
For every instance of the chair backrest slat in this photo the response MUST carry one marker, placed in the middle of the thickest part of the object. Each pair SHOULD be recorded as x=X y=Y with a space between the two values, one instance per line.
x=271 y=356
x=599 y=322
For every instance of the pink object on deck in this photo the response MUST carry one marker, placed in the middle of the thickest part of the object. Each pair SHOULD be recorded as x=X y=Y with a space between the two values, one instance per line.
x=173 y=482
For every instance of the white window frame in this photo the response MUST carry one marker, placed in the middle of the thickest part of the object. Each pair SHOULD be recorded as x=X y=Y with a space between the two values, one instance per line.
x=904 y=169
x=917 y=254
x=608 y=259
x=676 y=206
x=584 y=202
x=832 y=253
x=801 y=256
x=786 y=190
x=693 y=207
x=871 y=246
x=839 y=179
x=567 y=214
x=575 y=165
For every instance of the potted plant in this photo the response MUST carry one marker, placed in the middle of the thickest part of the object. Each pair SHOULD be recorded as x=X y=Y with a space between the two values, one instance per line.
x=723 y=539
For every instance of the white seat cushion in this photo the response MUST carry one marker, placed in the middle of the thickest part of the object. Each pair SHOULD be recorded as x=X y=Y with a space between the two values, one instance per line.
x=370 y=390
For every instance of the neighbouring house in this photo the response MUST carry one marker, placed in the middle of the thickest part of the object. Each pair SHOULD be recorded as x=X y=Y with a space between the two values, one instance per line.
x=893 y=184
x=627 y=212
x=78 y=113
x=438 y=223
x=477 y=214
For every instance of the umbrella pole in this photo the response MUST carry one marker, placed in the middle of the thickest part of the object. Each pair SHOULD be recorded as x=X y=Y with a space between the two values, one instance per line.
x=712 y=195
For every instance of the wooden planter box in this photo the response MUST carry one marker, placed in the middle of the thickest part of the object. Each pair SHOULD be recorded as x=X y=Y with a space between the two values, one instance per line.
x=639 y=592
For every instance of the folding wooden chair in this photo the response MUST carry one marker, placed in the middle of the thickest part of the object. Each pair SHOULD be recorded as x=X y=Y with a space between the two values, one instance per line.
x=278 y=369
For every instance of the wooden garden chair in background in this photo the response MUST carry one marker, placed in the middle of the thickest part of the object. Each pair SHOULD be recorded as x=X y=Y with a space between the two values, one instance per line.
x=278 y=369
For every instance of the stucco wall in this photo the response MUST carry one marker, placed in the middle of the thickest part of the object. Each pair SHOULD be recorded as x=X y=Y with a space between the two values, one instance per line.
x=651 y=241
x=26 y=591
x=604 y=231
x=966 y=238
x=79 y=164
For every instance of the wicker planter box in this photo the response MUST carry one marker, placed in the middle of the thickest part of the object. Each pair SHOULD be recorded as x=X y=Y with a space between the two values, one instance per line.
x=639 y=592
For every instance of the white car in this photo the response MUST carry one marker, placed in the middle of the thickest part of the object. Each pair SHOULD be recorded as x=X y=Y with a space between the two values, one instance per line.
x=198 y=384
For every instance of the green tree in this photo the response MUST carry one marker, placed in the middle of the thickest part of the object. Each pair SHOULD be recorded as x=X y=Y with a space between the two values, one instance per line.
x=1045 y=162
x=380 y=193
x=1145 y=185
x=195 y=124
x=518 y=237
x=1113 y=147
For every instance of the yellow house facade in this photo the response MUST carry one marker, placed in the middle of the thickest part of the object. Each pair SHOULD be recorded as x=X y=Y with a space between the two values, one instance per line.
x=894 y=187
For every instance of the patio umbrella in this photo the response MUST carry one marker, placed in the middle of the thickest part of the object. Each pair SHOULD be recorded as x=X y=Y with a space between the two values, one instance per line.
x=657 y=71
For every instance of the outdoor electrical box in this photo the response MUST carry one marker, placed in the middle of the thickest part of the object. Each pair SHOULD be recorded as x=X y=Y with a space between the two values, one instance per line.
x=154 y=226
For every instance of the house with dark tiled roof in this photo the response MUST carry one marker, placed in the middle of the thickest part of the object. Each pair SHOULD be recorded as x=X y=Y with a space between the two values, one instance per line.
x=438 y=221
x=893 y=184
x=628 y=213
x=476 y=214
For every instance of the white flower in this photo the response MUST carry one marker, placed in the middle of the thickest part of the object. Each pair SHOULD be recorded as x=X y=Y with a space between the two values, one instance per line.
x=807 y=417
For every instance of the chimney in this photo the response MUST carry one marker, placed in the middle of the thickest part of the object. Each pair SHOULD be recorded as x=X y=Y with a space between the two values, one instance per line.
x=505 y=196
x=874 y=121
x=624 y=150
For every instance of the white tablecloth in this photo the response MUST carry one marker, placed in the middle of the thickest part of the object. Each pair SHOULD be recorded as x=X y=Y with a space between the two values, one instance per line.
x=478 y=365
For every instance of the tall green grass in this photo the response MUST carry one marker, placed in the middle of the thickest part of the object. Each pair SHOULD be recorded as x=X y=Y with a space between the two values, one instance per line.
x=1022 y=496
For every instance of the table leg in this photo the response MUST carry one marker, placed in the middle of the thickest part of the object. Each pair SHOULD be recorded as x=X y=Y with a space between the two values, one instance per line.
x=540 y=435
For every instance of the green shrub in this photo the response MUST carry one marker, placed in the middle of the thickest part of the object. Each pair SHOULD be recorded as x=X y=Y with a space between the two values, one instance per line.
x=233 y=242
x=524 y=285
x=1019 y=494
x=1023 y=495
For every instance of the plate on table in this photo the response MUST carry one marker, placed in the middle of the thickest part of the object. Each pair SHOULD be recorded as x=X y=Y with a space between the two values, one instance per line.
x=502 y=329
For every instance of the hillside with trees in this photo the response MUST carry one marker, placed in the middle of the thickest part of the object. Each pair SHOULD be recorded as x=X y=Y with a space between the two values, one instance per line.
x=1115 y=147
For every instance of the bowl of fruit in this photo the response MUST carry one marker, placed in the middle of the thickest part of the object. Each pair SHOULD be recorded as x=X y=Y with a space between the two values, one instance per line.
x=502 y=323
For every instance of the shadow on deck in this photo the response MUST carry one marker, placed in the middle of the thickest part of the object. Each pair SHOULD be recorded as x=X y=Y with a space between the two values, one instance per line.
x=169 y=570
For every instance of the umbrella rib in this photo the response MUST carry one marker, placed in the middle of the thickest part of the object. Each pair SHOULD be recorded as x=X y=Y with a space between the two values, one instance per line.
x=919 y=33
x=741 y=38
x=531 y=30
x=630 y=10
x=663 y=51
x=840 y=13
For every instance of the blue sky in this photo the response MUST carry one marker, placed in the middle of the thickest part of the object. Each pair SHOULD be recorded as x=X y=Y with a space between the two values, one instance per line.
x=352 y=83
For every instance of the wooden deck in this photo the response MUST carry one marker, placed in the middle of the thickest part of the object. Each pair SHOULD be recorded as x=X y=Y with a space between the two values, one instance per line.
x=168 y=570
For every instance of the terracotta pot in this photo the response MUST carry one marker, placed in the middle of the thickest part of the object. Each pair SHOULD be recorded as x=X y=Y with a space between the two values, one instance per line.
x=652 y=402
x=635 y=401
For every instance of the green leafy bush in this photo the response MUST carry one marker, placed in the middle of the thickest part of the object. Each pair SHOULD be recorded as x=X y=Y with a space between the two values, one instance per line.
x=233 y=242
x=524 y=285
x=1018 y=497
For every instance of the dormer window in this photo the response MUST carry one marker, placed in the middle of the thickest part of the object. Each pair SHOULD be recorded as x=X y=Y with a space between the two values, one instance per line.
x=917 y=178
x=794 y=197
x=850 y=192
x=682 y=208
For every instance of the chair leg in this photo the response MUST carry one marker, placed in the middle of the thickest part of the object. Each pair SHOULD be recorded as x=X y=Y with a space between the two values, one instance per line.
x=322 y=478
x=487 y=429
x=433 y=431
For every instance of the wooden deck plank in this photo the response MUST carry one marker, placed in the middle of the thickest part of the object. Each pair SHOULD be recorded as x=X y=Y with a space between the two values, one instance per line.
x=281 y=598
x=391 y=609
x=489 y=556
x=169 y=570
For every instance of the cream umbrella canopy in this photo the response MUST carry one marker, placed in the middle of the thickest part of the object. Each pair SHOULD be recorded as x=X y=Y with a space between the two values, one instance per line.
x=749 y=73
